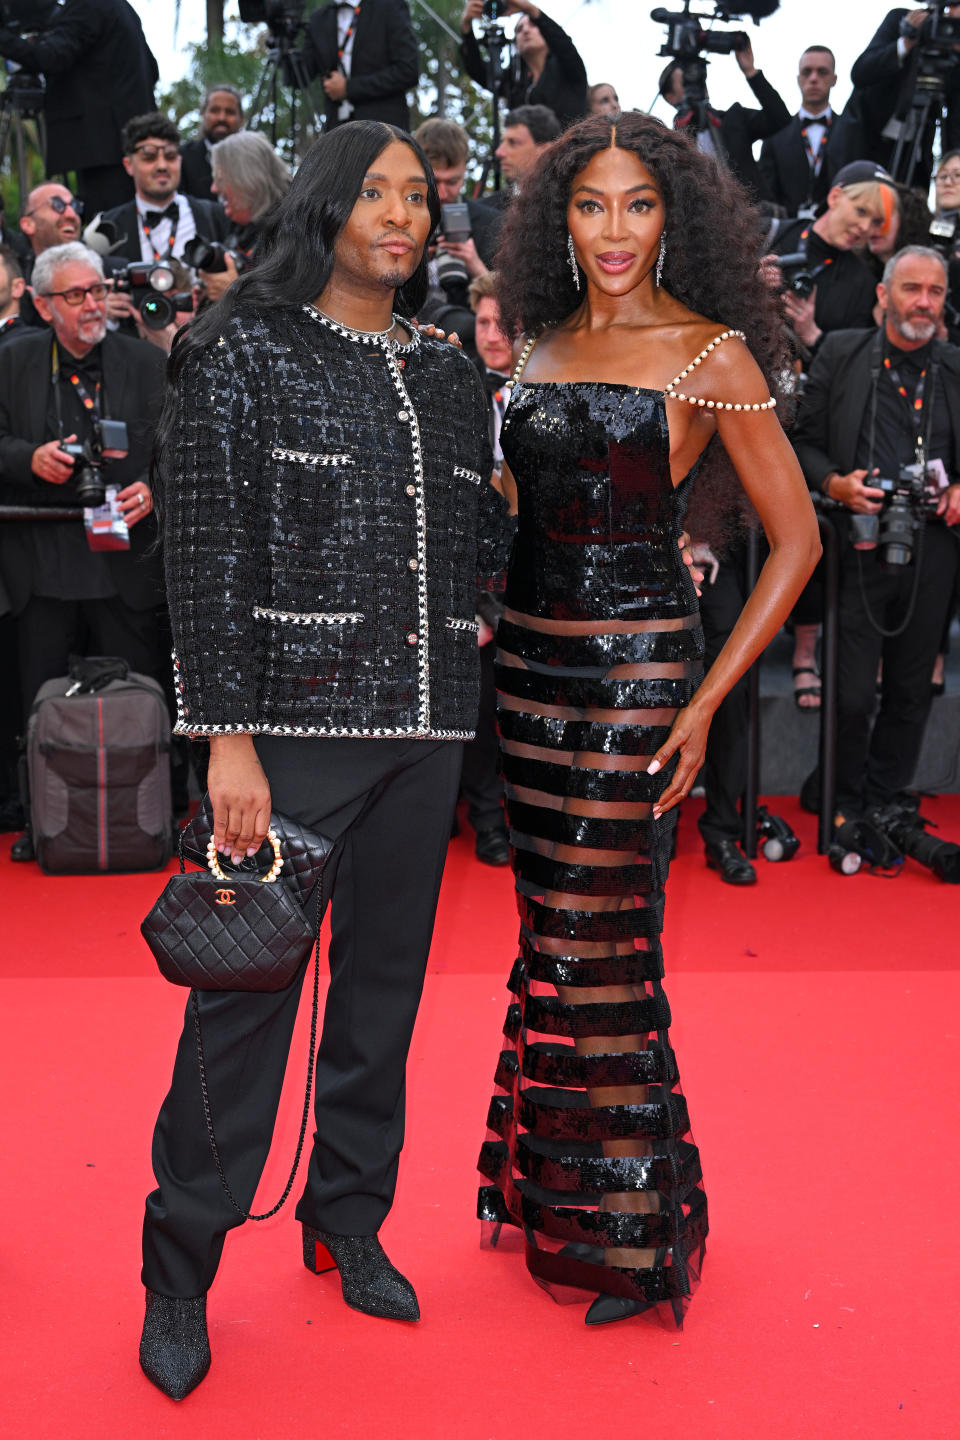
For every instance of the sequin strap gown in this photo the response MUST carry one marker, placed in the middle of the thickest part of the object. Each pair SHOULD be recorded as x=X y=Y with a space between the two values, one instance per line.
x=589 y=1149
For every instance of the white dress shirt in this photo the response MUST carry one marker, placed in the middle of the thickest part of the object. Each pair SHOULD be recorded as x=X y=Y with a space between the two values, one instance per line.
x=158 y=244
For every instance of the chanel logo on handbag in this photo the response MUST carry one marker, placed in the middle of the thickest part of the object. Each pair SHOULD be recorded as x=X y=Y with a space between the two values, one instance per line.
x=226 y=897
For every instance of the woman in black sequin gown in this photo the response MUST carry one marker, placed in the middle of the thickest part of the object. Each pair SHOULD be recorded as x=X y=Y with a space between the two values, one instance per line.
x=619 y=389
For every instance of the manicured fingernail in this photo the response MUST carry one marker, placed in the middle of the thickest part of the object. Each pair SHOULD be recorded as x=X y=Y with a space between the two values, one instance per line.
x=235 y=859
x=657 y=812
x=251 y=851
x=653 y=767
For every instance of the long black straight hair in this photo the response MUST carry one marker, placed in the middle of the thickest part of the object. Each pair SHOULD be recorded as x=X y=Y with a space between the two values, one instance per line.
x=296 y=249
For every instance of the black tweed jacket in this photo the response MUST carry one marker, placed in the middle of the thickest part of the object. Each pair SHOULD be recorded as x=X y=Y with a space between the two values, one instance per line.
x=322 y=497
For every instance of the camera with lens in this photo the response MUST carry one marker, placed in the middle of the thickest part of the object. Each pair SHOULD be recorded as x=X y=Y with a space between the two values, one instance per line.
x=107 y=441
x=776 y=838
x=939 y=32
x=211 y=255
x=494 y=10
x=894 y=529
x=798 y=278
x=904 y=827
x=151 y=286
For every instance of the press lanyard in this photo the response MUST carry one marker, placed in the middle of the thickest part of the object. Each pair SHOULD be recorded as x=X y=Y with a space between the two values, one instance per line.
x=90 y=403
x=816 y=159
x=342 y=48
x=171 y=241
x=916 y=404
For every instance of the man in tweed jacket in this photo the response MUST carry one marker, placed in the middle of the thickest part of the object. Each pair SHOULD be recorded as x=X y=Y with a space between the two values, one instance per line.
x=324 y=468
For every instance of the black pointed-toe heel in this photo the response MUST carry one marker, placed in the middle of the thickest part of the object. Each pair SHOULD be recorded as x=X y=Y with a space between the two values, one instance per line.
x=174 y=1348
x=607 y=1308
x=368 y=1280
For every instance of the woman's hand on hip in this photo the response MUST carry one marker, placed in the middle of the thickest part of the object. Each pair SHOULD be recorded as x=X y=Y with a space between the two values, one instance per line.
x=239 y=795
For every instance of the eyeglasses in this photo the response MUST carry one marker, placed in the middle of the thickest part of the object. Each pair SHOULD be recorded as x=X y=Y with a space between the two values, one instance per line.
x=950 y=176
x=60 y=206
x=150 y=152
x=77 y=293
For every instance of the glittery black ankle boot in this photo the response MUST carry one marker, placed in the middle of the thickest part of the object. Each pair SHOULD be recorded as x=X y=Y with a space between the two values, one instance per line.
x=369 y=1282
x=174 y=1349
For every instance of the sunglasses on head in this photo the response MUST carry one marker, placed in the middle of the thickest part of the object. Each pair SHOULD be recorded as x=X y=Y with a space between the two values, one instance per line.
x=150 y=152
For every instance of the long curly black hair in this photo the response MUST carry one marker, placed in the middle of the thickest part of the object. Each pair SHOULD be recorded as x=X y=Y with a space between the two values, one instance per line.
x=714 y=240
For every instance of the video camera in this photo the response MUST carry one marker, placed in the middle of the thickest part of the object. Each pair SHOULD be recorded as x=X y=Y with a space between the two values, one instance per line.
x=895 y=528
x=939 y=32
x=687 y=39
x=151 y=286
x=283 y=18
x=26 y=16
x=903 y=826
x=108 y=441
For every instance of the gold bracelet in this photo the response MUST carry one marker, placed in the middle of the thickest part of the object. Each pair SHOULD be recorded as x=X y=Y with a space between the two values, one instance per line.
x=215 y=868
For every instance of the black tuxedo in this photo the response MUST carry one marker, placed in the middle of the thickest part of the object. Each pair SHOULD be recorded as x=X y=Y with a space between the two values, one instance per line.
x=384 y=66
x=786 y=170
x=881 y=88
x=210 y=218
x=100 y=72
x=196 y=173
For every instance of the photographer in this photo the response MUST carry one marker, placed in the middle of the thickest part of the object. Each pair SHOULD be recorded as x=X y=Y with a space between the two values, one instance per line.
x=878 y=402
x=249 y=177
x=884 y=79
x=99 y=72
x=221 y=114
x=367 y=57
x=527 y=131
x=827 y=285
x=545 y=66
x=732 y=133
x=800 y=162
x=447 y=146
x=159 y=221
x=59 y=389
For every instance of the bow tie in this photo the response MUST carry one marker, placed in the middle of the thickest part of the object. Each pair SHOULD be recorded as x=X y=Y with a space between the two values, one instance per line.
x=153 y=217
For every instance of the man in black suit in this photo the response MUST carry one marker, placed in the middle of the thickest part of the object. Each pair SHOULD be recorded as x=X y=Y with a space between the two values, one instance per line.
x=52 y=387
x=99 y=72
x=220 y=115
x=366 y=56
x=731 y=134
x=883 y=78
x=545 y=66
x=799 y=163
x=159 y=221
x=877 y=400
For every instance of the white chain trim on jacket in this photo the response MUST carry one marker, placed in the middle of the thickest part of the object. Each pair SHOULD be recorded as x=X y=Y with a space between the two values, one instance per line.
x=308 y=617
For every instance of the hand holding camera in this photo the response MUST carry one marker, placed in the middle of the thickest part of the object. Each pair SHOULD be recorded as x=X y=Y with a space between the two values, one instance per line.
x=52 y=463
x=850 y=490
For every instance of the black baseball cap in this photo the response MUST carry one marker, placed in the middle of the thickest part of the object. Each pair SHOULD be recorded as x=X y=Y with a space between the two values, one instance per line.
x=863 y=172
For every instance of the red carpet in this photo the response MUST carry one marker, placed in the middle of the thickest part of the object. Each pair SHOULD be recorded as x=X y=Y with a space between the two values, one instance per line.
x=815 y=1023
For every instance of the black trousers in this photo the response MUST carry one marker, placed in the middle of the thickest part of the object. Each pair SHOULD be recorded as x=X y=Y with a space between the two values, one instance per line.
x=873 y=766
x=388 y=804
x=725 y=766
x=481 y=784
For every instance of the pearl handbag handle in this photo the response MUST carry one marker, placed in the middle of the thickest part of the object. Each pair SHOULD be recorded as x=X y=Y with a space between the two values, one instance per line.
x=213 y=864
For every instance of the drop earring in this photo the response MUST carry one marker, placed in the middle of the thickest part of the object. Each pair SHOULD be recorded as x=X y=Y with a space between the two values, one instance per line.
x=661 y=257
x=574 y=269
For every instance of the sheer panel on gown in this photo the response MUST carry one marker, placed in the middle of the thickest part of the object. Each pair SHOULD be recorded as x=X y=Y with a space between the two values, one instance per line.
x=589 y=1150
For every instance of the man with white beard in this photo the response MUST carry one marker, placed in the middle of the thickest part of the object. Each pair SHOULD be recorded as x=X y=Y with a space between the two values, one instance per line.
x=884 y=406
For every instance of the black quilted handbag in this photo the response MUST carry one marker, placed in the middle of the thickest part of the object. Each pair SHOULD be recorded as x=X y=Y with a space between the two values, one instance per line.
x=239 y=930
x=304 y=852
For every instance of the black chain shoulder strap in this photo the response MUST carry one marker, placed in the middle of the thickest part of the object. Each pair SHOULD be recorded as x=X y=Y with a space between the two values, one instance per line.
x=205 y=1093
